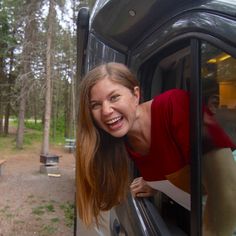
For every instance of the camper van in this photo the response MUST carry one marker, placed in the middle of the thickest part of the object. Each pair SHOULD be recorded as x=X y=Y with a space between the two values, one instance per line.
x=168 y=44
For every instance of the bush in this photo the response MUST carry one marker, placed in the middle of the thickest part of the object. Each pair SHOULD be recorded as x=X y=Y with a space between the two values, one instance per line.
x=32 y=125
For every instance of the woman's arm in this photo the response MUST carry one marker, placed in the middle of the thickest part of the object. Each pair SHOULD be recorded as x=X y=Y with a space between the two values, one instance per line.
x=219 y=180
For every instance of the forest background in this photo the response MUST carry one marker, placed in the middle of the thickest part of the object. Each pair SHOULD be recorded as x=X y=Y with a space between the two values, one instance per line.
x=38 y=68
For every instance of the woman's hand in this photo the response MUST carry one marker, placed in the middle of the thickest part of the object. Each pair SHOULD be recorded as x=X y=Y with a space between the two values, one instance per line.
x=140 y=188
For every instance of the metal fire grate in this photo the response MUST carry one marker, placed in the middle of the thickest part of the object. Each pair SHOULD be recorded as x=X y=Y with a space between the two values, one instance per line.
x=49 y=159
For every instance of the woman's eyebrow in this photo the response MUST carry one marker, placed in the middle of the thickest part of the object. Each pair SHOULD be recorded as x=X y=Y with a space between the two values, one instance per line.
x=109 y=94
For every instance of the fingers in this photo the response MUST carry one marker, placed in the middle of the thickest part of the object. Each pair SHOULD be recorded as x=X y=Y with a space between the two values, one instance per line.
x=140 y=188
x=137 y=181
x=138 y=185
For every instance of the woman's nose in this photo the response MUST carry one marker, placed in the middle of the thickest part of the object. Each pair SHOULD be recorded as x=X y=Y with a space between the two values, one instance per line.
x=106 y=108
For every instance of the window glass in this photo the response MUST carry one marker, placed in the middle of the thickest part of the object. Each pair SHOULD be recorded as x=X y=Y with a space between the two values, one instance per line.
x=167 y=69
x=164 y=71
x=172 y=71
x=218 y=74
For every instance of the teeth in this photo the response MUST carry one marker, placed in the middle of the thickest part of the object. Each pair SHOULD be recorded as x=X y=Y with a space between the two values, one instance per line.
x=113 y=120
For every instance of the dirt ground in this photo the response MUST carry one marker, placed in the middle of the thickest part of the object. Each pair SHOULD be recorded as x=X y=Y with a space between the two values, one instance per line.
x=32 y=203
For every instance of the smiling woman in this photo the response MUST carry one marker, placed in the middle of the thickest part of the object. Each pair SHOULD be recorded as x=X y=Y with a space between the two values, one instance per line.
x=114 y=109
x=96 y=174
x=155 y=135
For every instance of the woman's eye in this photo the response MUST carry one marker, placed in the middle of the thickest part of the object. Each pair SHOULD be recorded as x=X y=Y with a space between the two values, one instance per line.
x=114 y=98
x=95 y=106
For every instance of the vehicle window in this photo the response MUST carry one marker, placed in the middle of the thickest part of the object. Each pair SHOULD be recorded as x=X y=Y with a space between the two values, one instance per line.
x=160 y=74
x=218 y=74
x=172 y=71
x=166 y=70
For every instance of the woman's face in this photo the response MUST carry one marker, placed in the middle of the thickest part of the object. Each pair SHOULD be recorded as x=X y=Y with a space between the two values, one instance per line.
x=113 y=106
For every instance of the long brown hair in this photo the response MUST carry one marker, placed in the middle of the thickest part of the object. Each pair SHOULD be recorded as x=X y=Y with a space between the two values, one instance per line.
x=102 y=165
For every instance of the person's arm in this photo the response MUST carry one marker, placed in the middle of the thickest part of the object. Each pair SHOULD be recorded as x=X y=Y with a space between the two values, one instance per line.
x=219 y=180
x=140 y=188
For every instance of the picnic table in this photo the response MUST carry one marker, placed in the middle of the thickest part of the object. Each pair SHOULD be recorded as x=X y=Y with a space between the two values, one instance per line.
x=70 y=144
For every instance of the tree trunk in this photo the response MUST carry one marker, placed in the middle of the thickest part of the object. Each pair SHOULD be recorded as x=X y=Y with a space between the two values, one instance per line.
x=26 y=70
x=1 y=115
x=67 y=109
x=11 y=80
x=48 y=97
x=7 y=116
x=2 y=80
x=21 y=118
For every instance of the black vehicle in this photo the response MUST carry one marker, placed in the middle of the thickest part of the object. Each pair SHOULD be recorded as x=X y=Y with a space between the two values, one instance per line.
x=168 y=44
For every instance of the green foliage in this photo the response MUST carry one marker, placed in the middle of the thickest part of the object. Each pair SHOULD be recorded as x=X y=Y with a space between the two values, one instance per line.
x=6 y=141
x=6 y=39
x=47 y=230
x=4 y=209
x=68 y=209
x=57 y=130
x=55 y=220
x=31 y=137
x=13 y=121
x=49 y=207
x=58 y=125
x=30 y=124
x=59 y=139
x=6 y=212
x=14 y=16
x=4 y=31
x=55 y=137
x=40 y=210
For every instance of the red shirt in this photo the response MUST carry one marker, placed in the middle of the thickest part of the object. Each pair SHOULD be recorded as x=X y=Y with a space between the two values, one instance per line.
x=170 y=148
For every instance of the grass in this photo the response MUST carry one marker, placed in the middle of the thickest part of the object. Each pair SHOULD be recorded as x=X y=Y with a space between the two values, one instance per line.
x=19 y=222
x=47 y=230
x=55 y=220
x=46 y=208
x=5 y=211
x=40 y=210
x=31 y=199
x=7 y=142
x=49 y=207
x=33 y=135
x=68 y=209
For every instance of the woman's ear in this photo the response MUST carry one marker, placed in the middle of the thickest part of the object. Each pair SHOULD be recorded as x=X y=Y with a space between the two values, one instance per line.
x=137 y=93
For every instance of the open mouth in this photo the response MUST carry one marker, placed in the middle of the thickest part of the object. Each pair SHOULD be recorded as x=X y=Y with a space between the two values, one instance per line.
x=115 y=123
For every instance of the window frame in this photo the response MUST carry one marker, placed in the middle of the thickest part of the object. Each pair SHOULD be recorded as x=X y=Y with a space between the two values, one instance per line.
x=195 y=109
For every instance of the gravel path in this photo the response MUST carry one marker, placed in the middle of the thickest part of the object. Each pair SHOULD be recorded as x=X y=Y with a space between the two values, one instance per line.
x=32 y=203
